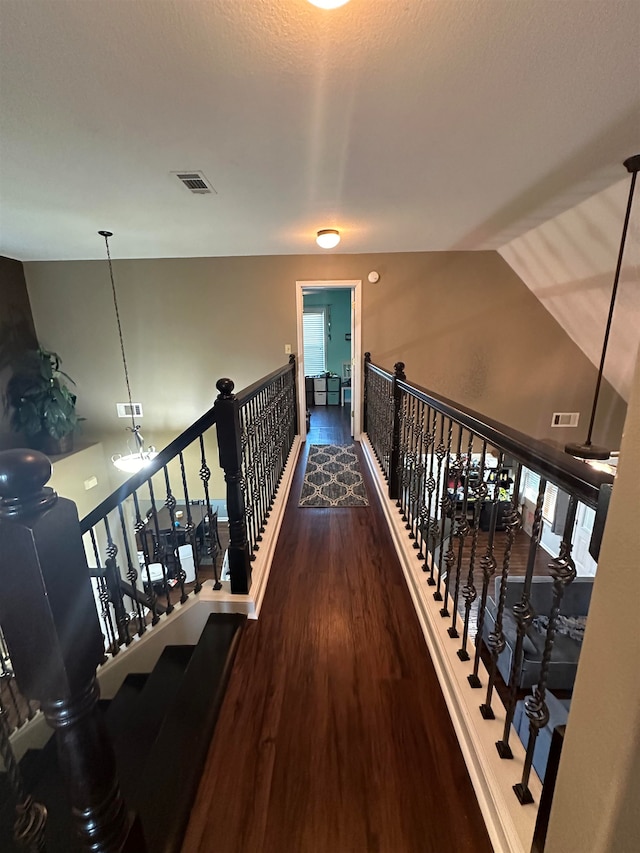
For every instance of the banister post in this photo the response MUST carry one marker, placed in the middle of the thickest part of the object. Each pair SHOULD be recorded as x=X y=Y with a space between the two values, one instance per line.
x=367 y=362
x=230 y=452
x=51 y=627
x=294 y=368
x=394 y=463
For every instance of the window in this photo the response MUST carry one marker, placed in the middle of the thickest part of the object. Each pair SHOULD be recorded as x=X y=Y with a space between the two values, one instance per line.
x=531 y=489
x=315 y=340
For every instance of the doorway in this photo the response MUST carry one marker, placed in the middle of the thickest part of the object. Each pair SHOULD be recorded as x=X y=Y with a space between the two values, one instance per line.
x=351 y=362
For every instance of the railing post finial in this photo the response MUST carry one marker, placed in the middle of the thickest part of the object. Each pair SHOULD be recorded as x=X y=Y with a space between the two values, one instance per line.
x=23 y=477
x=399 y=370
x=225 y=387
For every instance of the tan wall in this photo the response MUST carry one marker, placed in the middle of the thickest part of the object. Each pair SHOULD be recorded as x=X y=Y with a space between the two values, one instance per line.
x=464 y=323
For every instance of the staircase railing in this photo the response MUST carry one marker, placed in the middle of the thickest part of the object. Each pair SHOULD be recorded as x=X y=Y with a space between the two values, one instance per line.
x=457 y=479
x=152 y=541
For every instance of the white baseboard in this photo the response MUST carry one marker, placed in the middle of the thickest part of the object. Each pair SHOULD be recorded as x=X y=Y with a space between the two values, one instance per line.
x=510 y=825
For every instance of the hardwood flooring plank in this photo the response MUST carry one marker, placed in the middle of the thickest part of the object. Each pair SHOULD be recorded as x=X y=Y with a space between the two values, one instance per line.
x=334 y=736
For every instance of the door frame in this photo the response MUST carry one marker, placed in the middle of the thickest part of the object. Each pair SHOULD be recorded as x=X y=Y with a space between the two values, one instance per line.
x=355 y=286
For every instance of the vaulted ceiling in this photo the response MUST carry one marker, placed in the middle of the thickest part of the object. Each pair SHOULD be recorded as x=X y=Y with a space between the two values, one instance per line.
x=409 y=125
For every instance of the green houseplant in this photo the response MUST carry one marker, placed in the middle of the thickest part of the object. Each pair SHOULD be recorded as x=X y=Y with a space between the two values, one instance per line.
x=40 y=404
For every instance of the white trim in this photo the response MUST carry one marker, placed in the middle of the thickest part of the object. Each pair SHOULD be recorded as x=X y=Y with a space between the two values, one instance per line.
x=510 y=825
x=355 y=285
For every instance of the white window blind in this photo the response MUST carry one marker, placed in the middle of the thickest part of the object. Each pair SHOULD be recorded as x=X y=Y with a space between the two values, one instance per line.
x=531 y=489
x=315 y=341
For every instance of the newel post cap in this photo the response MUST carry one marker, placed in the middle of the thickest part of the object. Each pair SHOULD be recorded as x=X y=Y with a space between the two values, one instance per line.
x=24 y=474
x=225 y=387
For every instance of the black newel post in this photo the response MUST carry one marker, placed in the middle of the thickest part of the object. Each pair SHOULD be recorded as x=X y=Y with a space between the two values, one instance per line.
x=365 y=409
x=294 y=373
x=51 y=627
x=230 y=451
x=394 y=463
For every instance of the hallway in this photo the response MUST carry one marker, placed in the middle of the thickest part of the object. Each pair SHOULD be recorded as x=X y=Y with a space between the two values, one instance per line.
x=334 y=736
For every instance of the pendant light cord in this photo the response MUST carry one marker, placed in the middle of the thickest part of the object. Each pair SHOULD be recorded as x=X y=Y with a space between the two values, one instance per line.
x=134 y=429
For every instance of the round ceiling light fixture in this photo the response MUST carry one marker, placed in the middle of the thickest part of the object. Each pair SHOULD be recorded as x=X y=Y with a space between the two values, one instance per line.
x=328 y=238
x=328 y=4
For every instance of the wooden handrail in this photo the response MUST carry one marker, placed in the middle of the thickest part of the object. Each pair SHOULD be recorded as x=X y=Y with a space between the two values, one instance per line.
x=568 y=473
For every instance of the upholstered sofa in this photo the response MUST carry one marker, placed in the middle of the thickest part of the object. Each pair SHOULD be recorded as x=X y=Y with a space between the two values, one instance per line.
x=566 y=649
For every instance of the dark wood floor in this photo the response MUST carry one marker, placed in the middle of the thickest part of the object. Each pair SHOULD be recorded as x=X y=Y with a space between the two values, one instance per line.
x=330 y=425
x=334 y=736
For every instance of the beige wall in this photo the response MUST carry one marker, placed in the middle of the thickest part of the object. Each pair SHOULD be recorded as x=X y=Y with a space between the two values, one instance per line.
x=463 y=322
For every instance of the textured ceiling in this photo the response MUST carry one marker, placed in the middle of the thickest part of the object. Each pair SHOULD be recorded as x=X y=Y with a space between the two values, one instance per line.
x=409 y=125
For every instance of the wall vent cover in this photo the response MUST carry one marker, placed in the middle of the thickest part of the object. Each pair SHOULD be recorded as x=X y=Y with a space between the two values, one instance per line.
x=565 y=419
x=195 y=182
x=126 y=411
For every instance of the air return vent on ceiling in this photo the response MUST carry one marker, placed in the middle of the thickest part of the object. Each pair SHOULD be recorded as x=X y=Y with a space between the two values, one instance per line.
x=195 y=182
x=127 y=411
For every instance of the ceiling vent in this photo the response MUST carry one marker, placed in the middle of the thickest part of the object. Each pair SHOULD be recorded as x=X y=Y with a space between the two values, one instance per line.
x=126 y=410
x=195 y=182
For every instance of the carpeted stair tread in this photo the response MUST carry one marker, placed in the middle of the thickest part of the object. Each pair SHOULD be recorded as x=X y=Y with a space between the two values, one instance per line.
x=133 y=734
x=179 y=753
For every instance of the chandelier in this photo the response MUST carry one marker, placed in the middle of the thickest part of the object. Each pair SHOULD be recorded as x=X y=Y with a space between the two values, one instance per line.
x=136 y=459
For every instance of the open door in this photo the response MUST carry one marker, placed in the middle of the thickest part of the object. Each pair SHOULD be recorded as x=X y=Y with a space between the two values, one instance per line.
x=355 y=286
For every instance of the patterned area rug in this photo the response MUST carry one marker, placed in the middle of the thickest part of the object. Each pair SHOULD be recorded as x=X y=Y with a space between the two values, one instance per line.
x=333 y=477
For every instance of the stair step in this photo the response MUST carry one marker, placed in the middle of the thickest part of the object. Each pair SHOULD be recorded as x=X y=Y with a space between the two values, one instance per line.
x=118 y=710
x=133 y=722
x=174 y=767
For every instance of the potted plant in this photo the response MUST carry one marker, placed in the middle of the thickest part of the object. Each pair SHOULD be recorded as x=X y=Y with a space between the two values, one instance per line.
x=40 y=404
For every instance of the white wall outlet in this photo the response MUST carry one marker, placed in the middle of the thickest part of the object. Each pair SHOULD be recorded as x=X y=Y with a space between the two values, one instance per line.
x=91 y=483
x=287 y=349
x=565 y=419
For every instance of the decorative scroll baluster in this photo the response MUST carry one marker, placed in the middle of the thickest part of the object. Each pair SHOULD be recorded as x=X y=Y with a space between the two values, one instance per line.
x=170 y=503
x=563 y=571
x=159 y=553
x=431 y=488
x=523 y=615
x=31 y=817
x=395 y=461
x=190 y=528
x=446 y=505
x=455 y=469
x=496 y=641
x=103 y=597
x=409 y=468
x=141 y=536
x=488 y=564
x=205 y=476
x=419 y=512
x=469 y=592
x=462 y=531
x=132 y=575
x=112 y=576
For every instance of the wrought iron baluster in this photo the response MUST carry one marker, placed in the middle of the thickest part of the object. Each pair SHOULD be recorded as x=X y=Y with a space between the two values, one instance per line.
x=398 y=446
x=455 y=468
x=408 y=459
x=159 y=554
x=563 y=571
x=103 y=597
x=445 y=503
x=523 y=615
x=190 y=528
x=488 y=564
x=132 y=574
x=31 y=817
x=469 y=592
x=205 y=476
x=431 y=487
x=462 y=531
x=141 y=535
x=112 y=576
x=496 y=640
x=170 y=503
x=420 y=512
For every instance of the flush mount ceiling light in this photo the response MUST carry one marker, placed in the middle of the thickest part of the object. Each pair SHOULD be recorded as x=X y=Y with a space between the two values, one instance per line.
x=328 y=4
x=589 y=451
x=134 y=460
x=328 y=238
